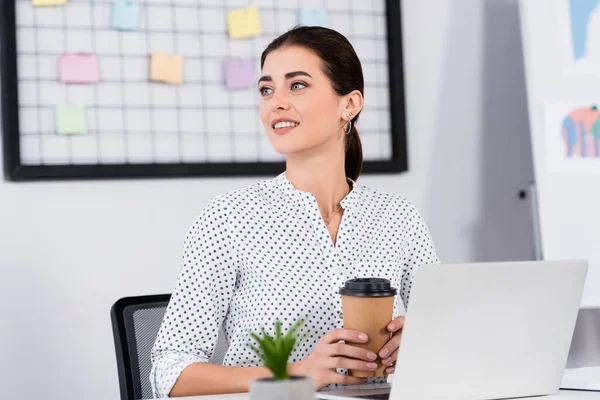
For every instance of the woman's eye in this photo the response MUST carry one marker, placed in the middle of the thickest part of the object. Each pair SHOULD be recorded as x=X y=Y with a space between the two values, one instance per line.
x=298 y=85
x=265 y=90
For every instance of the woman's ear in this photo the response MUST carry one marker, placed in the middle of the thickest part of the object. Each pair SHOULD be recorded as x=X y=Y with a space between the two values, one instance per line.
x=352 y=105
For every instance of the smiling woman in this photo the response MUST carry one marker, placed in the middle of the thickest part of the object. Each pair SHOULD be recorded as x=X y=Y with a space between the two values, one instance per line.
x=281 y=249
x=312 y=78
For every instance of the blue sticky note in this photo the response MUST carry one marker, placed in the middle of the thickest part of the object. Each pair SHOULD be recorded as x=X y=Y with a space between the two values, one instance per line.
x=125 y=15
x=312 y=17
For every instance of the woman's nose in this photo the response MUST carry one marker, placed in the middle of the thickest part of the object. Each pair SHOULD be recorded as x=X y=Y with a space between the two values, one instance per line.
x=280 y=103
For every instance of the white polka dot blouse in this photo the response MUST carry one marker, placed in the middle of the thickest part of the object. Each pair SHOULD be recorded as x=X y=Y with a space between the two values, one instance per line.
x=264 y=253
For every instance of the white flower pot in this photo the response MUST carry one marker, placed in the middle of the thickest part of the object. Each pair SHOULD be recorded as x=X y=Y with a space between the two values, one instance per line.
x=295 y=388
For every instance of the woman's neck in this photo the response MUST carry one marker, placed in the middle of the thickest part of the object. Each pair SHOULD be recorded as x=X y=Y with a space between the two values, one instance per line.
x=324 y=176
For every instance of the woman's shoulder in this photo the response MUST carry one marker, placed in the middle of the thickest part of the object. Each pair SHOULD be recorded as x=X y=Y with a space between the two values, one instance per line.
x=379 y=196
x=251 y=196
x=389 y=202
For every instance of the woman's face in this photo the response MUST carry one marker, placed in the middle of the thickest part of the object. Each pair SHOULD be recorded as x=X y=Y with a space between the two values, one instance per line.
x=299 y=108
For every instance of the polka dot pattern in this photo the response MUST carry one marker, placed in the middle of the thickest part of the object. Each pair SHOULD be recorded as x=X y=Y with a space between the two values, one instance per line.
x=263 y=253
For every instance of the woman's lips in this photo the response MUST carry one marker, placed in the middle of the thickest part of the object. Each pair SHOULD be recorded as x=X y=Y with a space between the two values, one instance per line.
x=283 y=131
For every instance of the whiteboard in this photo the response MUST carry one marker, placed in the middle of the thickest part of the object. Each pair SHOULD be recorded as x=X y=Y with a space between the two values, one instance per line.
x=560 y=82
x=132 y=120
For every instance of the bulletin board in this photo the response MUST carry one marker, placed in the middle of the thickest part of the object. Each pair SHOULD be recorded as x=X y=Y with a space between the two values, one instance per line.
x=168 y=88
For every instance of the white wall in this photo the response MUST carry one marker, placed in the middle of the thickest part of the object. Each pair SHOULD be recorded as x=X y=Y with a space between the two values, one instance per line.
x=68 y=250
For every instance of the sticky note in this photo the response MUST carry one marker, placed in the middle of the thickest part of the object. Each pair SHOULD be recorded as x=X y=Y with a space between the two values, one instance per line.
x=312 y=17
x=125 y=15
x=244 y=23
x=70 y=120
x=166 y=68
x=48 y=2
x=78 y=68
x=239 y=73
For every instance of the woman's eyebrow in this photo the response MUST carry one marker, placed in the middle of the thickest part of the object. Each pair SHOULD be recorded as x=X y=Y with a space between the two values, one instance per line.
x=294 y=74
x=289 y=75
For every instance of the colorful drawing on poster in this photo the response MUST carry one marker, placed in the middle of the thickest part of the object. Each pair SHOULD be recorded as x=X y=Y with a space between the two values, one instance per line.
x=580 y=13
x=579 y=34
x=581 y=132
x=571 y=136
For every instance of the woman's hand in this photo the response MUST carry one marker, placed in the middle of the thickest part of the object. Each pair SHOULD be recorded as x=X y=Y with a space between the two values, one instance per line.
x=389 y=352
x=330 y=354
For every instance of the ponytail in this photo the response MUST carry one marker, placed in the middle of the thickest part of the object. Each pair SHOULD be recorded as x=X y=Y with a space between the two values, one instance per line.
x=354 y=156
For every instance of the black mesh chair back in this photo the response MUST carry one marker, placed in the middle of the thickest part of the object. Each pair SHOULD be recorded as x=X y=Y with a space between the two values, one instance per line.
x=135 y=324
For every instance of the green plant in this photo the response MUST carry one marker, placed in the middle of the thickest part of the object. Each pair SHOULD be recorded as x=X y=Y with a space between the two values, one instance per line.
x=275 y=351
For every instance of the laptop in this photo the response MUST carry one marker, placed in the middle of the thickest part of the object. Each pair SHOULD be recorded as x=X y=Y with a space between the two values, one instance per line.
x=483 y=331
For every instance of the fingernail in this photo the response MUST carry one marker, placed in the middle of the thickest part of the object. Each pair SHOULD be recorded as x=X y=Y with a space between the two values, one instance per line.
x=391 y=327
x=384 y=353
x=391 y=363
x=363 y=337
x=371 y=365
x=372 y=356
x=390 y=370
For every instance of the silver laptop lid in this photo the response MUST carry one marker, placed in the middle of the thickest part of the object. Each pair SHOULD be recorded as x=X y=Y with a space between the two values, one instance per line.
x=488 y=330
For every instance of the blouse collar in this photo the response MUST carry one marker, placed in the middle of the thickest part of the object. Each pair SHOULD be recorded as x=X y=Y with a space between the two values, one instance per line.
x=306 y=199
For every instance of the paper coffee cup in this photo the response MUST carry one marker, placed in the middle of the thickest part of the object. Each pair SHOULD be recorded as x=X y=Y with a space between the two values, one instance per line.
x=368 y=307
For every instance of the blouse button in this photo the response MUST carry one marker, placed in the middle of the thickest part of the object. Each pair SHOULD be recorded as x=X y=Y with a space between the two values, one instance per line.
x=335 y=270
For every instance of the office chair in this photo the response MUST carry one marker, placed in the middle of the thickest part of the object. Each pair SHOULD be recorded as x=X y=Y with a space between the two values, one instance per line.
x=135 y=324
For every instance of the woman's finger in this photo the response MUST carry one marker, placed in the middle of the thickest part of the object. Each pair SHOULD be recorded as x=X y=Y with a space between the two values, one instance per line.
x=396 y=324
x=346 y=379
x=337 y=334
x=388 y=362
x=347 y=350
x=392 y=345
x=350 y=363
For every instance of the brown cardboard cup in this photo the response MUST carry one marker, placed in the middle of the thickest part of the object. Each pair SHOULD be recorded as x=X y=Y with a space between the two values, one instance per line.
x=368 y=307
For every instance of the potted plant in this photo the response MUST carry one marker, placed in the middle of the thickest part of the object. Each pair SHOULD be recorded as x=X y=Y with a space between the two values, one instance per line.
x=275 y=352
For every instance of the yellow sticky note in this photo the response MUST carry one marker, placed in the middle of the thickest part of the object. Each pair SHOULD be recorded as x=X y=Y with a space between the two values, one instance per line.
x=244 y=23
x=48 y=2
x=166 y=68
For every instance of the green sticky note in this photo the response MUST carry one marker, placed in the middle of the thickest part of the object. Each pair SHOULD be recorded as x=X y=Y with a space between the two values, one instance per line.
x=70 y=120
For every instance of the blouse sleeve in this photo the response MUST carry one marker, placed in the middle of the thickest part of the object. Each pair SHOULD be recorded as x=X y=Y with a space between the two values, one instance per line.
x=199 y=302
x=419 y=250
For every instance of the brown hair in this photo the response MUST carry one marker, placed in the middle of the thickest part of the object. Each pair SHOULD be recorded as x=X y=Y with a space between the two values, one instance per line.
x=341 y=65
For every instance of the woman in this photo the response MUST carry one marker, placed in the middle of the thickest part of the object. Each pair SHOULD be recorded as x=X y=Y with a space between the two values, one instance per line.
x=281 y=248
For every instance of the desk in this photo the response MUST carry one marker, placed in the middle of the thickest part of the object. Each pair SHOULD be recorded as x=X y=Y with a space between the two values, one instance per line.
x=585 y=352
x=561 y=395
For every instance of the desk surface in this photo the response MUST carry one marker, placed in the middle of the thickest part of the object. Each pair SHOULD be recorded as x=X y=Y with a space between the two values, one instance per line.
x=561 y=395
x=580 y=374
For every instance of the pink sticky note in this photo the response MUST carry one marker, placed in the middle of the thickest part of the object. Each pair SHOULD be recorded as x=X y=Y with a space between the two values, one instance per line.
x=79 y=68
x=239 y=73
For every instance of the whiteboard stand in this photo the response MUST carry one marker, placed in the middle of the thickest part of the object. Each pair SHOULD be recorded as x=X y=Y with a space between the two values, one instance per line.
x=531 y=194
x=535 y=222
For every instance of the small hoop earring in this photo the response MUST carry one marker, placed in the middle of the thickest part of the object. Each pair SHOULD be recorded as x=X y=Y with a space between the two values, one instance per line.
x=349 y=127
